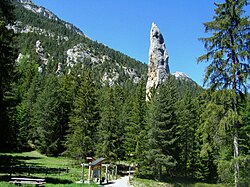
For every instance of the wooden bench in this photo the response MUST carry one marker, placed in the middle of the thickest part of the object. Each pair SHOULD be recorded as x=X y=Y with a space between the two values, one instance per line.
x=20 y=181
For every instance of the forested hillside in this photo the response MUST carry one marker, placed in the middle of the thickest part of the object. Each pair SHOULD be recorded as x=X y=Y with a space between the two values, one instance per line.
x=64 y=47
x=63 y=94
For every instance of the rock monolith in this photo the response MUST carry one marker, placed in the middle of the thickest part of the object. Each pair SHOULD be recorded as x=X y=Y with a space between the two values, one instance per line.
x=158 y=67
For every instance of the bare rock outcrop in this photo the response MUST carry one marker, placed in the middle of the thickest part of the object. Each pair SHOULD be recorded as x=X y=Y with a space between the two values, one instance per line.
x=158 y=67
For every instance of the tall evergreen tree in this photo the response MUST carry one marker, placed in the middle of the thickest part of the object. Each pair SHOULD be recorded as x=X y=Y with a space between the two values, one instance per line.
x=136 y=125
x=229 y=51
x=162 y=129
x=108 y=143
x=7 y=65
x=27 y=72
x=83 y=120
x=187 y=125
x=46 y=127
x=244 y=141
x=215 y=134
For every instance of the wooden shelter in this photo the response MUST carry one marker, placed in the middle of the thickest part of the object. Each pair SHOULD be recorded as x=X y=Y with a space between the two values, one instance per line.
x=95 y=170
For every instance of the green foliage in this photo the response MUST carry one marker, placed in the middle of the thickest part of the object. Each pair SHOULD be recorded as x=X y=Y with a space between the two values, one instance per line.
x=228 y=52
x=228 y=47
x=7 y=66
x=188 y=122
x=110 y=128
x=244 y=133
x=83 y=120
x=177 y=134
x=136 y=124
x=46 y=126
x=162 y=124
x=6 y=11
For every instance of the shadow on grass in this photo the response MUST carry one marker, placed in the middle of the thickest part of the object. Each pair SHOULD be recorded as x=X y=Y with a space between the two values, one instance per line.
x=57 y=180
x=9 y=160
x=180 y=181
x=16 y=165
x=5 y=178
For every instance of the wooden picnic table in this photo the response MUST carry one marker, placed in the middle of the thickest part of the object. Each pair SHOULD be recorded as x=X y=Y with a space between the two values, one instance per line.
x=19 y=180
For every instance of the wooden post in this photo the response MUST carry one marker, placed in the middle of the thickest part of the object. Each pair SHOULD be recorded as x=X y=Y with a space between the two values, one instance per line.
x=100 y=173
x=89 y=178
x=29 y=171
x=82 y=172
x=107 y=180
x=115 y=172
x=10 y=171
x=129 y=168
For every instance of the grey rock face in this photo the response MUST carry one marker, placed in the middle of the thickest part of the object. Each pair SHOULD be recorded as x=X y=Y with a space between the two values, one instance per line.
x=29 y=5
x=25 y=1
x=158 y=60
x=181 y=75
x=42 y=55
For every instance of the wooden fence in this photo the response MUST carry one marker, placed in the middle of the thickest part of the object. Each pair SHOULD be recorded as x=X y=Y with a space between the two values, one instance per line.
x=31 y=170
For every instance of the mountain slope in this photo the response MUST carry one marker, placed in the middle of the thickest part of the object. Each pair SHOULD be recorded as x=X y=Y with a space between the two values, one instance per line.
x=50 y=40
x=64 y=46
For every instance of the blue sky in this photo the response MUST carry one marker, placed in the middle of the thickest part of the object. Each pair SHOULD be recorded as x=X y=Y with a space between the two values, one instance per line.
x=124 y=25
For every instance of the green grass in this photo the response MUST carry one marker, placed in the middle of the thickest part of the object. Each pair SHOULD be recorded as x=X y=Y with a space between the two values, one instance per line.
x=137 y=182
x=6 y=184
x=36 y=159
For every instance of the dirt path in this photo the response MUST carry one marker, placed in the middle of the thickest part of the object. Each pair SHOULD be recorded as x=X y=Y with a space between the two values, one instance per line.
x=122 y=182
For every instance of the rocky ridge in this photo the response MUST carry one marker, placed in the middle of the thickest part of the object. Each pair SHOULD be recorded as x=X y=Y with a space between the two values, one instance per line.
x=181 y=75
x=29 y=5
x=76 y=51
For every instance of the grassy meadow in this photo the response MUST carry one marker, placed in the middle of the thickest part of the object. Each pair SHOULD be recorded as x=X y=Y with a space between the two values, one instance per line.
x=137 y=182
x=67 y=175
x=70 y=173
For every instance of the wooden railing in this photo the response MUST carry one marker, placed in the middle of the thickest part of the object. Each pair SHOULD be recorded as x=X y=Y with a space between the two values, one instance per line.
x=31 y=170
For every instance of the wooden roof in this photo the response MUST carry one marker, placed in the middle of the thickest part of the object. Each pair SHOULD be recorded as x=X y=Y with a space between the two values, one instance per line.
x=97 y=161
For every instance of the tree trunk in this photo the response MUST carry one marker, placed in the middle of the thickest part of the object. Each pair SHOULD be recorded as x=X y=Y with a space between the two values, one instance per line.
x=236 y=154
x=236 y=146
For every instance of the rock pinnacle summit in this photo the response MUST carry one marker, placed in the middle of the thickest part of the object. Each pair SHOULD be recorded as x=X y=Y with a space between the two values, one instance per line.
x=158 y=67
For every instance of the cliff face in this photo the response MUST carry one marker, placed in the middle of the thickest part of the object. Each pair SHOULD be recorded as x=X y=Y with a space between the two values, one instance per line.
x=158 y=60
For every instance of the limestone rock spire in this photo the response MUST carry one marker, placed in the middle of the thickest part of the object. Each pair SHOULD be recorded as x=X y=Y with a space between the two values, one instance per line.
x=158 y=60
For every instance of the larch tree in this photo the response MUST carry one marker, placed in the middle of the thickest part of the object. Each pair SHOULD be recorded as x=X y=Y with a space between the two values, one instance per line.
x=228 y=53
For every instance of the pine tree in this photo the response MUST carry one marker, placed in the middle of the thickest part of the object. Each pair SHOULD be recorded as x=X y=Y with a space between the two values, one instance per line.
x=244 y=141
x=27 y=73
x=162 y=129
x=46 y=127
x=186 y=131
x=7 y=66
x=136 y=124
x=215 y=133
x=83 y=120
x=108 y=129
x=228 y=50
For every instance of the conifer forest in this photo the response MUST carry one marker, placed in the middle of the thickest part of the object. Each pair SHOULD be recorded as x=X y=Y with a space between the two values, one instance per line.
x=183 y=131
